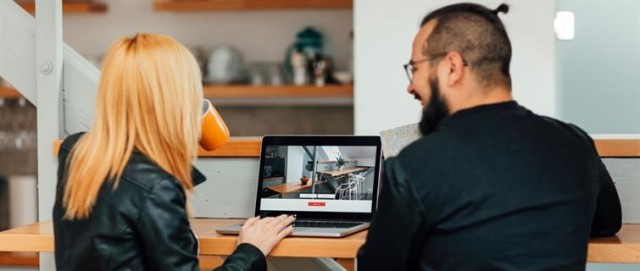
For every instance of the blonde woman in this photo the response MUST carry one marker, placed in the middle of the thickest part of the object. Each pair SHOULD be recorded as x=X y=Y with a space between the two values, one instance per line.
x=121 y=194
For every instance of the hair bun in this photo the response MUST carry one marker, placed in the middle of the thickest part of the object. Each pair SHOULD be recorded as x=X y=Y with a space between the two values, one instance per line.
x=504 y=8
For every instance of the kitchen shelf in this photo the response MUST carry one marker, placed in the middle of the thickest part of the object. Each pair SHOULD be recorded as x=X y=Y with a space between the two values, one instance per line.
x=92 y=7
x=245 y=91
x=248 y=91
x=196 y=5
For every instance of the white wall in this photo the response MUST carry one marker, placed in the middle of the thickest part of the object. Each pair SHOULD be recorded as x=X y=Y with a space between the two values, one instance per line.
x=384 y=31
x=230 y=189
x=259 y=35
x=365 y=155
x=599 y=88
x=295 y=163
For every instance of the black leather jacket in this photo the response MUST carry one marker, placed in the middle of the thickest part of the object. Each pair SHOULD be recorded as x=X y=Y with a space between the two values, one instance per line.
x=141 y=225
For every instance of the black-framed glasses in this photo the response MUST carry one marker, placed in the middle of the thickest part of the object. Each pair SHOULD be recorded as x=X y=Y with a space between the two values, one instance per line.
x=408 y=68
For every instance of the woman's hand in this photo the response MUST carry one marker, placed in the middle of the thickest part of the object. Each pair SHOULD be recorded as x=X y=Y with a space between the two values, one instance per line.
x=265 y=233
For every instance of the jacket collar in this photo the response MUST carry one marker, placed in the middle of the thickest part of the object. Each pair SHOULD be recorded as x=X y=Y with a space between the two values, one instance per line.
x=197 y=176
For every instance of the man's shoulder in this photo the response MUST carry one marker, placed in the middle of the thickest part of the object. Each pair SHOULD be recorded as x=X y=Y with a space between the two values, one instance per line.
x=425 y=154
x=427 y=145
x=570 y=129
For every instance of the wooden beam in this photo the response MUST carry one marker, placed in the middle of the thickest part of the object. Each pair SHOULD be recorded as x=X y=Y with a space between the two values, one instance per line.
x=236 y=147
x=22 y=259
x=10 y=93
x=618 y=147
x=250 y=147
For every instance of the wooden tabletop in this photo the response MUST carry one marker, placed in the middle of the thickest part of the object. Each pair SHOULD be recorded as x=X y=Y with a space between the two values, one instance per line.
x=36 y=237
x=287 y=188
x=334 y=173
x=250 y=147
x=212 y=243
x=622 y=248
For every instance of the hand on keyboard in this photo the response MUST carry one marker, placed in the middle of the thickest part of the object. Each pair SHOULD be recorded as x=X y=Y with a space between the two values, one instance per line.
x=266 y=233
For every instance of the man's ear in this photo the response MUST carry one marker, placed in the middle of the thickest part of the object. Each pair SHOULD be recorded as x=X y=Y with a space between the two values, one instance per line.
x=456 y=68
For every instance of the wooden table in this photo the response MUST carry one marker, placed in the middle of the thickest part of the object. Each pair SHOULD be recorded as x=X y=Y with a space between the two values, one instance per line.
x=287 y=188
x=39 y=238
x=622 y=248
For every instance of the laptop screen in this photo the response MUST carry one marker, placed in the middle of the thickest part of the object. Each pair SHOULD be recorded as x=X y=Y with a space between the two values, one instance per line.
x=316 y=175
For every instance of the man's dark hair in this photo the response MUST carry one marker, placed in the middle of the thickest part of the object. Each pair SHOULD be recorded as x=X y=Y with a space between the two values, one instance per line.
x=476 y=33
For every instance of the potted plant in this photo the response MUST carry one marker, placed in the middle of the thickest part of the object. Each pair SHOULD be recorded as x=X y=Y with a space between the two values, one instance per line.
x=304 y=179
x=340 y=162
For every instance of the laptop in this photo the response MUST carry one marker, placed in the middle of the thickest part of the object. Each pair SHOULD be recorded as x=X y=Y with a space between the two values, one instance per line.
x=329 y=182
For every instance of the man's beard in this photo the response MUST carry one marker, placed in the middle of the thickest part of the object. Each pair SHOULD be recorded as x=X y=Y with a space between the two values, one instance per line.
x=435 y=111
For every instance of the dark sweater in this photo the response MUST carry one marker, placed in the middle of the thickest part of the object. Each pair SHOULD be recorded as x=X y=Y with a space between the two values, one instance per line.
x=496 y=187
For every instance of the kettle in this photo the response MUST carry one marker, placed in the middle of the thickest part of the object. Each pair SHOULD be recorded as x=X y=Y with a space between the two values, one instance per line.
x=225 y=66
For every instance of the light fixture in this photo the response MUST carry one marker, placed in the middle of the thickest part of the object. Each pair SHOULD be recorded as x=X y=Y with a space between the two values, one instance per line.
x=564 y=25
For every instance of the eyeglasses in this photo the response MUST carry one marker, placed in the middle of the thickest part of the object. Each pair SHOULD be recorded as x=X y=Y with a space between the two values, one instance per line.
x=408 y=68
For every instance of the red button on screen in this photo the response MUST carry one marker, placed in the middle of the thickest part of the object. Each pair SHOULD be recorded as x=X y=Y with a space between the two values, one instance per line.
x=317 y=204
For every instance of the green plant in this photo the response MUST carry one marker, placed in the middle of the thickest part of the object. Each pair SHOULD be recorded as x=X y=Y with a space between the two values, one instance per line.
x=340 y=161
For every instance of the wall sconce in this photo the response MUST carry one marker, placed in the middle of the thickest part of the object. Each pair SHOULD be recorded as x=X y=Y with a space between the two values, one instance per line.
x=565 y=25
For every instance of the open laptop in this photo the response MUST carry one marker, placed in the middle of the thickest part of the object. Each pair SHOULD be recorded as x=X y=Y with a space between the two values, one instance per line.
x=341 y=187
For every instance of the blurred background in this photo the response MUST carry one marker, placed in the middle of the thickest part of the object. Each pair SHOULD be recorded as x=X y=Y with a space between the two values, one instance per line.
x=287 y=67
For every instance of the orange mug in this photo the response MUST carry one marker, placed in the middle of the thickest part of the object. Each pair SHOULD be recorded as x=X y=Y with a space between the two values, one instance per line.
x=214 y=132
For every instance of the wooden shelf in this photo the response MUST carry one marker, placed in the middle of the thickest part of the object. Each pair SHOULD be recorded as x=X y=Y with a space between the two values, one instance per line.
x=250 y=147
x=235 y=147
x=198 y=5
x=618 y=147
x=22 y=259
x=70 y=7
x=244 y=91
x=8 y=92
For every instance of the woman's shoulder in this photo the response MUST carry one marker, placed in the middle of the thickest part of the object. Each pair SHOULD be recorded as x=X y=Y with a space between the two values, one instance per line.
x=146 y=175
x=70 y=141
x=158 y=189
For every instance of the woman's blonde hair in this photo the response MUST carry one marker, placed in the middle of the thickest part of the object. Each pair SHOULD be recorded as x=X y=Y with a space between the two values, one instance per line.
x=149 y=100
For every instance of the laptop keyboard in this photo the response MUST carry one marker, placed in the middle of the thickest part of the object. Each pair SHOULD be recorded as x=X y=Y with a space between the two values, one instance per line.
x=325 y=224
